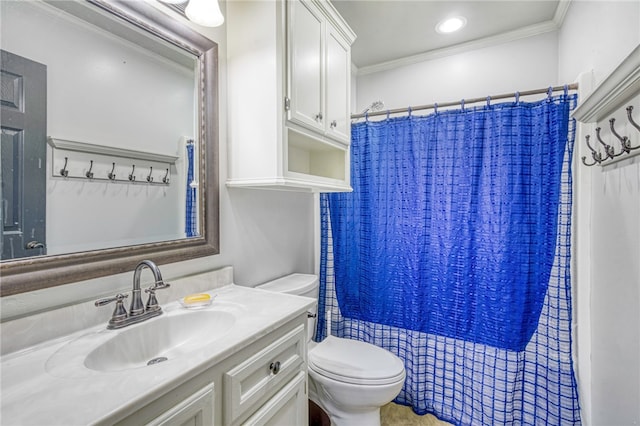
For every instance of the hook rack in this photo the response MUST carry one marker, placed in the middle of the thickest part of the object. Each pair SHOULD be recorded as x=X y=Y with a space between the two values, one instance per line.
x=626 y=146
x=133 y=166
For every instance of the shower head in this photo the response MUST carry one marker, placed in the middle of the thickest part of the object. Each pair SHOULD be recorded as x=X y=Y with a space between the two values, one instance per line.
x=375 y=106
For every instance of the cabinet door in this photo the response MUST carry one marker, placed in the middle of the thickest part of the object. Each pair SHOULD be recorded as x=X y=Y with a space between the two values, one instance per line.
x=338 y=86
x=247 y=385
x=196 y=410
x=305 y=82
x=288 y=407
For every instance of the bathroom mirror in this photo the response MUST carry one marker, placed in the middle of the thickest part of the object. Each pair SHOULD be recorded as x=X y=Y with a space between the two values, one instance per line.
x=139 y=147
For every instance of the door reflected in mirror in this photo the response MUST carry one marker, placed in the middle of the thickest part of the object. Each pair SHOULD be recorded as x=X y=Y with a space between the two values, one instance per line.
x=88 y=78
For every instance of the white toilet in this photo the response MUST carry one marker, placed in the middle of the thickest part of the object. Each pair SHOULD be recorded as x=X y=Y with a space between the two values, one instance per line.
x=350 y=380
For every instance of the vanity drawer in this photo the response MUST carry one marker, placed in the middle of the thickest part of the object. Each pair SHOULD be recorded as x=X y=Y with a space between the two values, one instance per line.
x=262 y=375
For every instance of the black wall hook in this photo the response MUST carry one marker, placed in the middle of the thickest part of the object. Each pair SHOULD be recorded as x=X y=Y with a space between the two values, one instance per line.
x=89 y=174
x=149 y=177
x=64 y=172
x=111 y=175
x=132 y=176
x=165 y=179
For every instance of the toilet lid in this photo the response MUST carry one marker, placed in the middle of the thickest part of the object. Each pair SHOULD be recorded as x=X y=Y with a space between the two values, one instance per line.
x=355 y=362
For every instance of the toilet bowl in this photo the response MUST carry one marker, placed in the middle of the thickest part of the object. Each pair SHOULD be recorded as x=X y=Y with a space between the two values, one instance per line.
x=350 y=380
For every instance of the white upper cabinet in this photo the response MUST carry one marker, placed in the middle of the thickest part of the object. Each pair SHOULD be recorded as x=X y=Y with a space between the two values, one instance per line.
x=289 y=73
x=306 y=63
x=338 y=87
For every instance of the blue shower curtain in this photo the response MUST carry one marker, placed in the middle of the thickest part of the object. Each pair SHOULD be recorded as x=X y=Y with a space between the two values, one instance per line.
x=453 y=252
x=191 y=213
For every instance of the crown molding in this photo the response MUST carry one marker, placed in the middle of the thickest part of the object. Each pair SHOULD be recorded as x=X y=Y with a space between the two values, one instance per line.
x=561 y=12
x=532 y=30
x=529 y=31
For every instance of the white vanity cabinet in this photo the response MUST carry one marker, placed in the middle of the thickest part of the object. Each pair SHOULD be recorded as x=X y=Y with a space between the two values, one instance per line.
x=289 y=72
x=263 y=383
x=274 y=372
x=196 y=410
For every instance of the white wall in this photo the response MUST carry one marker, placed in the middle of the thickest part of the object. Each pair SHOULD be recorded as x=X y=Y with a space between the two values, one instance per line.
x=529 y=63
x=594 y=39
x=264 y=234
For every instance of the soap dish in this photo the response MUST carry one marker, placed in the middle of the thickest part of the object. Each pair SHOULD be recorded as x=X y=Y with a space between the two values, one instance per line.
x=197 y=305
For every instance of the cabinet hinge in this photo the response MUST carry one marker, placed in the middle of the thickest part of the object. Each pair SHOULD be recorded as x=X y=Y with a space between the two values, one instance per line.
x=287 y=103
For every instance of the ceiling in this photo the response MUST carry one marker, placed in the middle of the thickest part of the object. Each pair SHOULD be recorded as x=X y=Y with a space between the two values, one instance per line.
x=389 y=30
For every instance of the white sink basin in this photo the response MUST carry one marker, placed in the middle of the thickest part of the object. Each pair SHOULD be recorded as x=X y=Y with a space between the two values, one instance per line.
x=167 y=337
x=159 y=339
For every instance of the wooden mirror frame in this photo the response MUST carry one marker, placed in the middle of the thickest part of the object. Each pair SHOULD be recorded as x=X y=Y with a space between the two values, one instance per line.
x=29 y=274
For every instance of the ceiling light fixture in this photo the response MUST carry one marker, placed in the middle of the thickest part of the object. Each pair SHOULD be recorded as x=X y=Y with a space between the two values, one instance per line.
x=450 y=25
x=203 y=12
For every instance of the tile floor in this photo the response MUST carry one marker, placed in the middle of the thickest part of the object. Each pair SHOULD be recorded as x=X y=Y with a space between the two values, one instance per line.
x=399 y=415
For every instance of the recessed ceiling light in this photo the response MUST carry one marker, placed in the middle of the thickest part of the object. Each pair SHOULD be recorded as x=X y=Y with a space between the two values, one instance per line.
x=450 y=25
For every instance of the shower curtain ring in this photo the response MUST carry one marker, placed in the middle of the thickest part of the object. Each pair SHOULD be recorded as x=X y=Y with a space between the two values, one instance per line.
x=566 y=89
x=409 y=110
x=388 y=113
x=549 y=93
x=462 y=105
x=517 y=98
x=488 y=101
x=435 y=108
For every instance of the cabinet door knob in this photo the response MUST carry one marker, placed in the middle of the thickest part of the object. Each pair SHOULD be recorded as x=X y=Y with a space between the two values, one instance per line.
x=334 y=124
x=275 y=367
x=319 y=116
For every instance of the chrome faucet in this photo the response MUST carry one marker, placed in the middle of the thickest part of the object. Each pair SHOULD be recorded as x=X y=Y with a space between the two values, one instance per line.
x=138 y=312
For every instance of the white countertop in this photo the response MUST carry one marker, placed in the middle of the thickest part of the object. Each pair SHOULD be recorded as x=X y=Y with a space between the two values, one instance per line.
x=38 y=392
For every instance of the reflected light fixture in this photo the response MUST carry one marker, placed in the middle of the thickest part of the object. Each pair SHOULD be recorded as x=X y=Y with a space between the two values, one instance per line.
x=203 y=12
x=451 y=25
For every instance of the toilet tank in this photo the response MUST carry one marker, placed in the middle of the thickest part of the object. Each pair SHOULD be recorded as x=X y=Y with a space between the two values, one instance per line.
x=300 y=285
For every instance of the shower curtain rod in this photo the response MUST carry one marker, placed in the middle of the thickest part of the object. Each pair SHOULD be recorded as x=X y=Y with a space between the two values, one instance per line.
x=573 y=86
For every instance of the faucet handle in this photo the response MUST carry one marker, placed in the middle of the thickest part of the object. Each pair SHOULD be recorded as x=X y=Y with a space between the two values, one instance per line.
x=119 y=313
x=117 y=298
x=152 y=302
x=158 y=285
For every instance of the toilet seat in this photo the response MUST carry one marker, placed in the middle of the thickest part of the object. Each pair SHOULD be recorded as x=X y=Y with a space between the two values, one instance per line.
x=355 y=362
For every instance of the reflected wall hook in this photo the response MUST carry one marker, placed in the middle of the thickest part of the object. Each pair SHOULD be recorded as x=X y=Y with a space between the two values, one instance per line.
x=89 y=174
x=150 y=178
x=111 y=175
x=165 y=179
x=132 y=177
x=64 y=172
x=597 y=157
